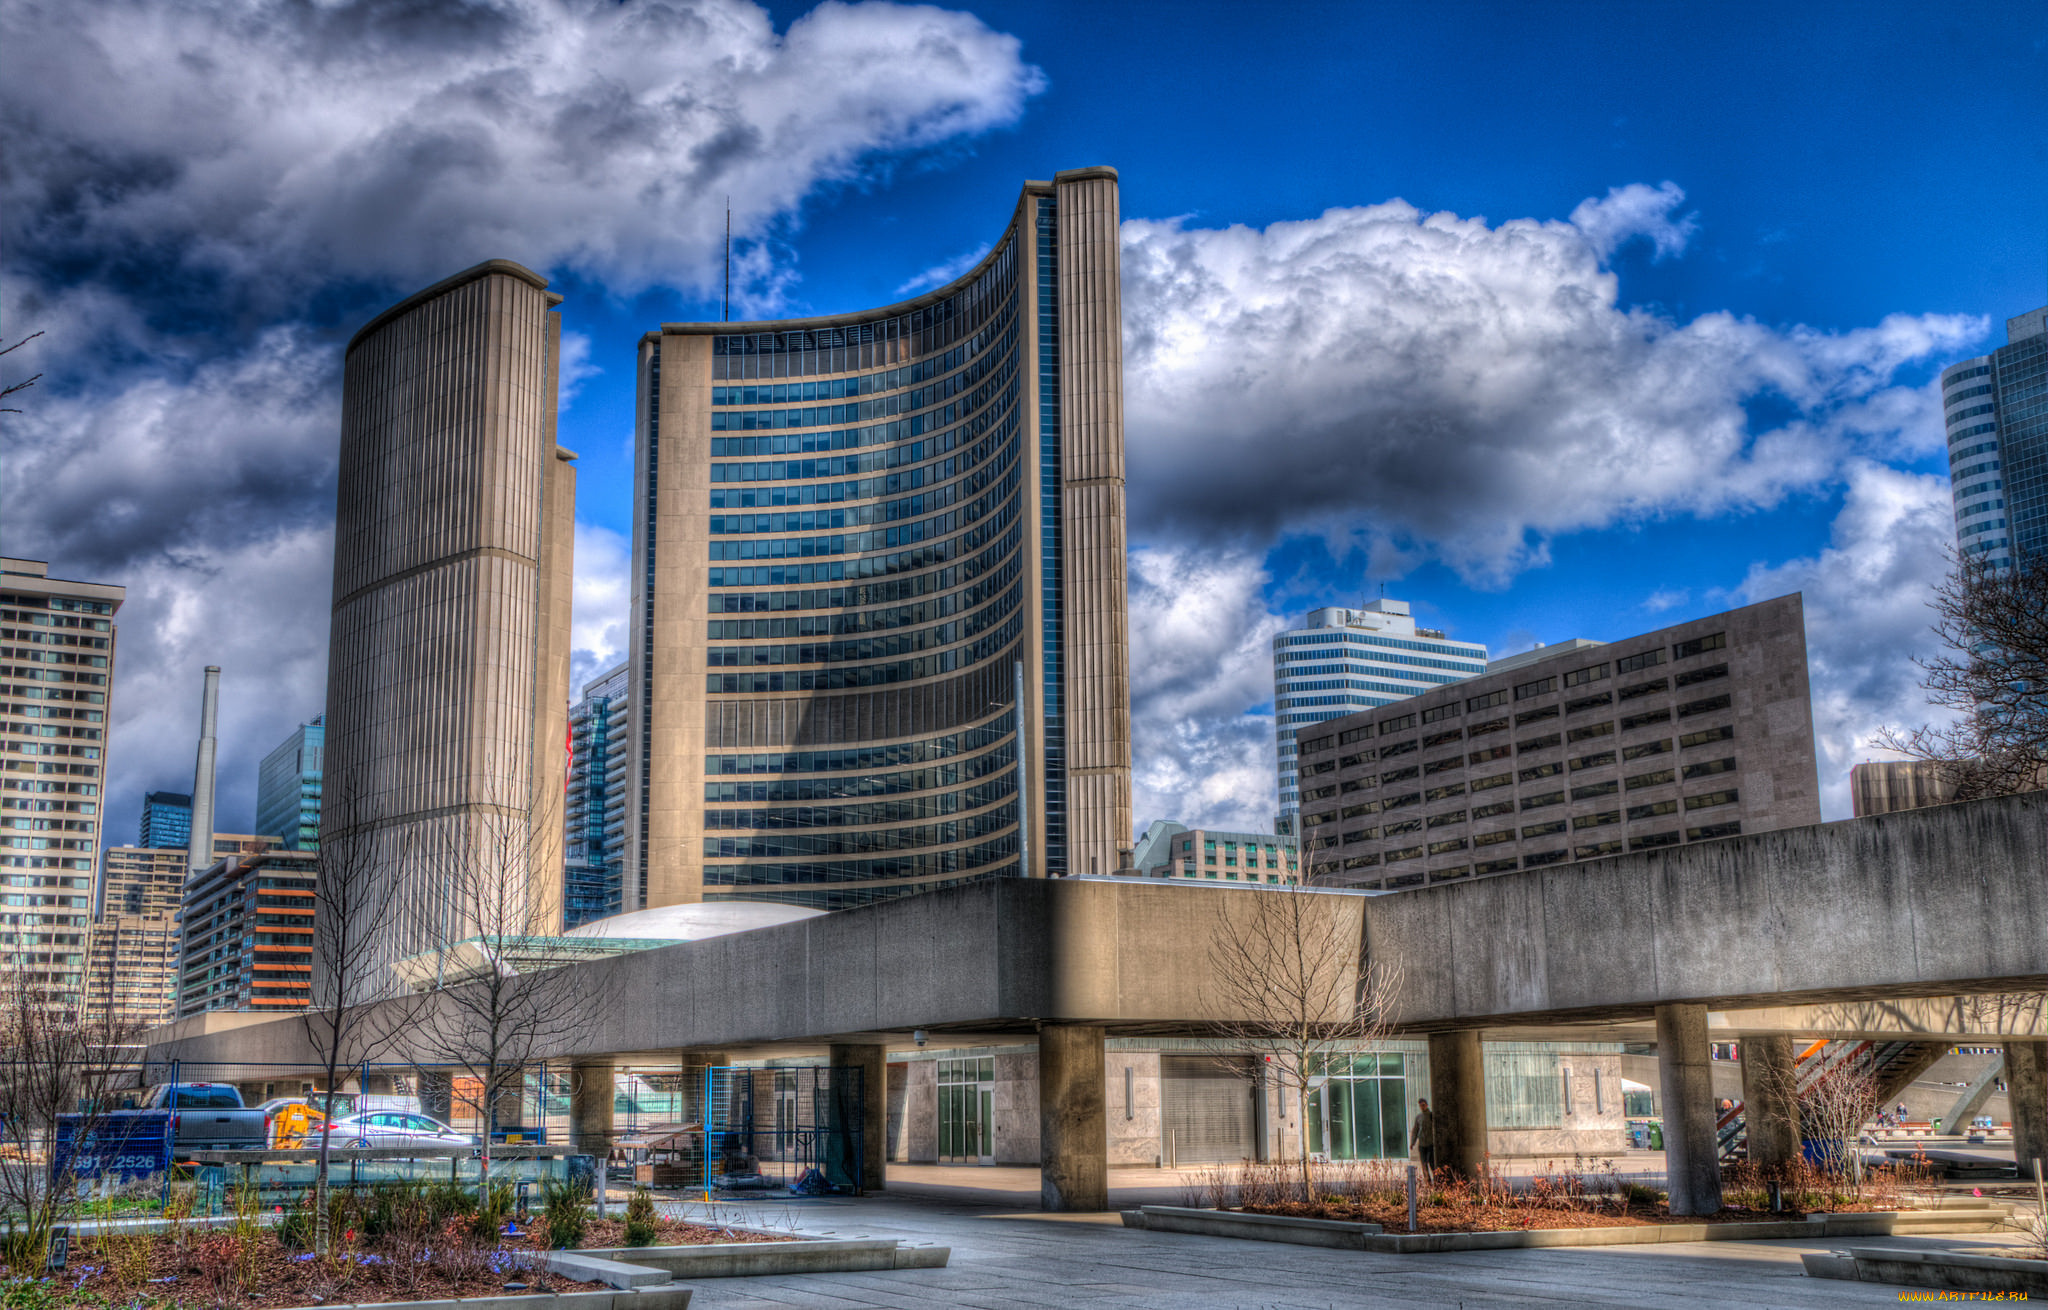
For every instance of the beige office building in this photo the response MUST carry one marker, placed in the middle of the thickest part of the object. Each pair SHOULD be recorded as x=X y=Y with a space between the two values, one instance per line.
x=1689 y=733
x=57 y=661
x=448 y=676
x=852 y=533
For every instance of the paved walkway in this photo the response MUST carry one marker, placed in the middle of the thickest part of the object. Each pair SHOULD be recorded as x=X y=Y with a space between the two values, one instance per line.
x=1005 y=1257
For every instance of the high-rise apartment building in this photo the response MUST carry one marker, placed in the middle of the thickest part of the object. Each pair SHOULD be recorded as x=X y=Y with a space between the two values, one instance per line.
x=1342 y=661
x=1690 y=733
x=131 y=976
x=166 y=821
x=1996 y=411
x=288 y=789
x=595 y=847
x=247 y=940
x=872 y=547
x=57 y=658
x=448 y=667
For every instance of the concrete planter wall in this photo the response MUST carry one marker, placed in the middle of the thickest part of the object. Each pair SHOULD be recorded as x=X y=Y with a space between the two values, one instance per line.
x=1370 y=1237
x=666 y=1297
x=1937 y=1269
x=753 y=1259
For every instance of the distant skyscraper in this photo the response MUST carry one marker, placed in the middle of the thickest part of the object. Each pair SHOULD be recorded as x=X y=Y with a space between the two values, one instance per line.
x=850 y=532
x=595 y=848
x=166 y=821
x=1342 y=661
x=448 y=668
x=53 y=739
x=1998 y=443
x=288 y=789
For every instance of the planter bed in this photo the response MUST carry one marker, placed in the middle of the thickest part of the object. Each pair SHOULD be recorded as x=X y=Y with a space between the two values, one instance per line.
x=667 y=1297
x=1619 y=1231
x=1937 y=1269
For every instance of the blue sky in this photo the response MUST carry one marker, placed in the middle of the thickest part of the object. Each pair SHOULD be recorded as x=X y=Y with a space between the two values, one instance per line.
x=1681 y=363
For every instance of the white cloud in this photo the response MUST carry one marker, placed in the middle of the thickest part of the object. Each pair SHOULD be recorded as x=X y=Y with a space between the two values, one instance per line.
x=574 y=369
x=1201 y=669
x=1666 y=598
x=943 y=272
x=277 y=144
x=1866 y=598
x=598 y=629
x=1469 y=392
x=1632 y=211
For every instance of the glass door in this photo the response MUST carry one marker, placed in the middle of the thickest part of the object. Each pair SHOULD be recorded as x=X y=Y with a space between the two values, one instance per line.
x=967 y=1111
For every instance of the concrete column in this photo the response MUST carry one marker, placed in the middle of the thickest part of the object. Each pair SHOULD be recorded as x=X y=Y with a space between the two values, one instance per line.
x=2026 y=1091
x=591 y=1099
x=1457 y=1086
x=1073 y=1124
x=1692 y=1158
x=872 y=1061
x=1770 y=1100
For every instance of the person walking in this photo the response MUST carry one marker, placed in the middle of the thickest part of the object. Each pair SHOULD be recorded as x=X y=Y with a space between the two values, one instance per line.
x=1422 y=1136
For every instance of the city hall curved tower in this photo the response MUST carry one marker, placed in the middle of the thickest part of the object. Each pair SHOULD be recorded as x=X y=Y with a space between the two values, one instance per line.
x=870 y=548
x=448 y=664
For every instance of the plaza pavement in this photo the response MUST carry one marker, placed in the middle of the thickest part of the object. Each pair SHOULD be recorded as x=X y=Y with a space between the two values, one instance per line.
x=1004 y=1255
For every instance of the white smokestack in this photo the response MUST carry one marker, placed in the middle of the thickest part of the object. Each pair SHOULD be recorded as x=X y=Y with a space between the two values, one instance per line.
x=199 y=853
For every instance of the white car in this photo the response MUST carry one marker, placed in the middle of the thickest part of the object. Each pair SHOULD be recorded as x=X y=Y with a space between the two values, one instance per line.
x=392 y=1128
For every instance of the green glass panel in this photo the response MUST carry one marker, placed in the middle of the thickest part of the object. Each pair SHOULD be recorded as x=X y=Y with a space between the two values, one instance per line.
x=1315 y=1119
x=1391 y=1066
x=1365 y=1110
x=1365 y=1065
x=1340 y=1119
x=988 y=1136
x=1394 y=1115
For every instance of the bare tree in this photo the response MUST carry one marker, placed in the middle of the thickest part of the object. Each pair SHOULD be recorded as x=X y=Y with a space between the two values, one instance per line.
x=1290 y=967
x=52 y=1064
x=1993 y=673
x=499 y=998
x=1833 y=1109
x=355 y=905
x=23 y=385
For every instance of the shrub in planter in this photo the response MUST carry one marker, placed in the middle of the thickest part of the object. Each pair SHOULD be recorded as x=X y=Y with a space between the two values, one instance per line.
x=566 y=1212
x=641 y=1229
x=493 y=1208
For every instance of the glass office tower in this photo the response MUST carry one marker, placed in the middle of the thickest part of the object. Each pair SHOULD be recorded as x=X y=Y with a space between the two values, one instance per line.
x=880 y=587
x=288 y=789
x=1996 y=411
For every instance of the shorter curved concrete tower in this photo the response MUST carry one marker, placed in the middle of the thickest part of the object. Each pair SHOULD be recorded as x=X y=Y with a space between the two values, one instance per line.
x=448 y=666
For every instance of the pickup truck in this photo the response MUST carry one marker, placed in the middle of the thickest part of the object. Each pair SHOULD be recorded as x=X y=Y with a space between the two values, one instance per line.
x=203 y=1117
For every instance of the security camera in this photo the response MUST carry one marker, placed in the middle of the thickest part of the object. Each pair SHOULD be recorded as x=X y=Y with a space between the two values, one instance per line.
x=919 y=1035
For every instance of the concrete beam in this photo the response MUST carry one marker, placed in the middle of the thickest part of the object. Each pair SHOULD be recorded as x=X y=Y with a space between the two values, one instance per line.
x=1457 y=1084
x=1837 y=914
x=1770 y=1100
x=1692 y=1157
x=1073 y=1120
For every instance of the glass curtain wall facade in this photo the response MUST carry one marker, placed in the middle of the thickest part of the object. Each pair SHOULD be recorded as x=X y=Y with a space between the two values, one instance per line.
x=166 y=820
x=860 y=540
x=594 y=847
x=1342 y=661
x=1996 y=411
x=288 y=789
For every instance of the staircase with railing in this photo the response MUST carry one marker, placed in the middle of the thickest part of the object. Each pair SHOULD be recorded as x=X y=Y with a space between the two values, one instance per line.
x=1889 y=1065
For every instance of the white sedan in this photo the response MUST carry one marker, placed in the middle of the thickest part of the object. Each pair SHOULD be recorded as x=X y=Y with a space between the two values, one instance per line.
x=393 y=1128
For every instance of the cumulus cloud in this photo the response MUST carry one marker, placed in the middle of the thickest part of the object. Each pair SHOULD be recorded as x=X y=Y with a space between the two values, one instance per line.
x=598 y=633
x=573 y=369
x=1202 y=688
x=1466 y=392
x=1866 y=597
x=203 y=197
